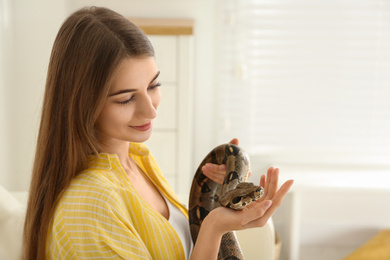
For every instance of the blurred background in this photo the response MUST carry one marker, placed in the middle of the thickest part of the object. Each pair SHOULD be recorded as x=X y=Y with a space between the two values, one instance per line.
x=304 y=85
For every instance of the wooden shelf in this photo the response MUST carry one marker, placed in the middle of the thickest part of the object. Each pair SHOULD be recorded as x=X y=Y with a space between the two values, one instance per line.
x=161 y=26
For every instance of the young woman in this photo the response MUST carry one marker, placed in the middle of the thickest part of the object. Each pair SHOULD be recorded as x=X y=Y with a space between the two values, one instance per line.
x=96 y=191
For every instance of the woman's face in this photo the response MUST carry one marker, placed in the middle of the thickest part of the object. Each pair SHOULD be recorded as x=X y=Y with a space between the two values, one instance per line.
x=132 y=102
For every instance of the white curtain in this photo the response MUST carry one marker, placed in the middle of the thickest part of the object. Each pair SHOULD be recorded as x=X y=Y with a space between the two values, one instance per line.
x=306 y=81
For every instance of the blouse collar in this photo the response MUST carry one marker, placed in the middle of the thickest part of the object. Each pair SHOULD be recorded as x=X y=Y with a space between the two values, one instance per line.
x=106 y=160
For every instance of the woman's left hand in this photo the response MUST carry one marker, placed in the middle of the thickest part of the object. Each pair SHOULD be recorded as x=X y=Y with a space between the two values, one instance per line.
x=217 y=172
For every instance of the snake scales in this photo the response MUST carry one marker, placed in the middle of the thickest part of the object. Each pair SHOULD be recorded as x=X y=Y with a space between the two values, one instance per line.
x=234 y=193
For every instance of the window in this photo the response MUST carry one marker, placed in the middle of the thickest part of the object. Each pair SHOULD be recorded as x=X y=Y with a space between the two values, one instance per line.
x=306 y=81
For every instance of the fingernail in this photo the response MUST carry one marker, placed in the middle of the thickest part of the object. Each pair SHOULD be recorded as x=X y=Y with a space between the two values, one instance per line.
x=268 y=203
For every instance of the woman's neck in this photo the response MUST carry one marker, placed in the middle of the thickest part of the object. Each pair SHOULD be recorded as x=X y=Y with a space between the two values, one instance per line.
x=121 y=149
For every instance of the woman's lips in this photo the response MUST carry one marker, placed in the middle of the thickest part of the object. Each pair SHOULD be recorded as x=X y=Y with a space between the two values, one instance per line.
x=145 y=127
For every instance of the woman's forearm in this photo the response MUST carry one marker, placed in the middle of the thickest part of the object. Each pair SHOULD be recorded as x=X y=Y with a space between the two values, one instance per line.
x=208 y=241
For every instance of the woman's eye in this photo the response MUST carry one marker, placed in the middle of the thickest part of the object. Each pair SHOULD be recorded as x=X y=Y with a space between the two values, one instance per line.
x=126 y=101
x=158 y=84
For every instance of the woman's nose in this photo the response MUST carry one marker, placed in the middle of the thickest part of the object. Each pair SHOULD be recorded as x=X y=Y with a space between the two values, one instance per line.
x=147 y=108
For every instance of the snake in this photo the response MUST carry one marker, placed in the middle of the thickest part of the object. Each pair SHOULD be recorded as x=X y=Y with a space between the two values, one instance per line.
x=234 y=193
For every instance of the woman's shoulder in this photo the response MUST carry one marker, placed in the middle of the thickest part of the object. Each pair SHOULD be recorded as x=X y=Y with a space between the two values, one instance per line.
x=92 y=181
x=93 y=187
x=89 y=196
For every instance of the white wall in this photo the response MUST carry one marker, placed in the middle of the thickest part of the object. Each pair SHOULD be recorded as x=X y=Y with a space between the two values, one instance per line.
x=5 y=51
x=27 y=41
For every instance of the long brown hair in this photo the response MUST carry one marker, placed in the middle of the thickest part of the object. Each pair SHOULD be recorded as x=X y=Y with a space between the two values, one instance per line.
x=86 y=53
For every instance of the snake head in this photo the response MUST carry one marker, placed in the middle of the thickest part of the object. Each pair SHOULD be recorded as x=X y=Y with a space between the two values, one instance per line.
x=244 y=194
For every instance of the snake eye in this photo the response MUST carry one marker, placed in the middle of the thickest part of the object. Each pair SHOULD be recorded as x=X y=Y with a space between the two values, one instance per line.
x=236 y=200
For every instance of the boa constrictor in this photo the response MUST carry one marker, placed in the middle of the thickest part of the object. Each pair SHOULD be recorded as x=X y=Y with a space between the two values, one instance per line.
x=234 y=193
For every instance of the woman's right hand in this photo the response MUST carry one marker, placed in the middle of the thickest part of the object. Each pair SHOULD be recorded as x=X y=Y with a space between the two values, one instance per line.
x=255 y=214
x=222 y=220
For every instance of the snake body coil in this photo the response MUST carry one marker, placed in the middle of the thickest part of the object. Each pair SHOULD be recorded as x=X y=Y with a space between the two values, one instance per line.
x=234 y=193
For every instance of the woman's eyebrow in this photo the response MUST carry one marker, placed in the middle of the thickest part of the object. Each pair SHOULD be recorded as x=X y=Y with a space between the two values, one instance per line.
x=121 y=92
x=132 y=90
x=155 y=77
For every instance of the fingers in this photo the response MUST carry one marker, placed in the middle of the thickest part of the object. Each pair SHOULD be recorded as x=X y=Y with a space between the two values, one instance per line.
x=209 y=167
x=278 y=198
x=215 y=172
x=267 y=178
x=255 y=214
x=273 y=182
x=234 y=141
x=262 y=181
x=262 y=218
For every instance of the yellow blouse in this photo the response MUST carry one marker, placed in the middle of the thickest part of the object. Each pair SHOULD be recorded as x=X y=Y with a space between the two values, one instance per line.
x=101 y=215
